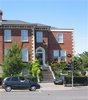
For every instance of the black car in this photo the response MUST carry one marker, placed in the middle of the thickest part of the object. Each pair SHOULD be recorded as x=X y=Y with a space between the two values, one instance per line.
x=10 y=83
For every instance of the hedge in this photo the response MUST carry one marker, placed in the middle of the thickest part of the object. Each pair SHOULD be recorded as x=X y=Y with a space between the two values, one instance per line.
x=76 y=81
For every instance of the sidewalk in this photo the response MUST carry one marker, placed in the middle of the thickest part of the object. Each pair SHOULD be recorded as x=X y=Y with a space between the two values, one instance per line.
x=51 y=87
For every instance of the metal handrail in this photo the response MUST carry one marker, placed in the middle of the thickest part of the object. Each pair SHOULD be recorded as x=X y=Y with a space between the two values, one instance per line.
x=52 y=72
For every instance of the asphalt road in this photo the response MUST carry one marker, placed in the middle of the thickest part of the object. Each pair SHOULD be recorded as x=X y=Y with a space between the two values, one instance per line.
x=73 y=94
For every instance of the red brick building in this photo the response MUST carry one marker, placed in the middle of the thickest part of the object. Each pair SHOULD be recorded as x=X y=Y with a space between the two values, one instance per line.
x=46 y=41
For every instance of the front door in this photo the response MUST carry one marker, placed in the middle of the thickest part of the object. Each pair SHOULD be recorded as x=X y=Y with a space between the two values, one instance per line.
x=40 y=58
x=41 y=55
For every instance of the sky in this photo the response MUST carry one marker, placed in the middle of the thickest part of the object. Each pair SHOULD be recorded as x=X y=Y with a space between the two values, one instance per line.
x=58 y=13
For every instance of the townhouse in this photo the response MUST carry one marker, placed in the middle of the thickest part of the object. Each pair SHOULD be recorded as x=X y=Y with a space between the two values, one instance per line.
x=46 y=42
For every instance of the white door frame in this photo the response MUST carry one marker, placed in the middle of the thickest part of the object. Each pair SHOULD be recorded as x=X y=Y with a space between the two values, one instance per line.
x=41 y=50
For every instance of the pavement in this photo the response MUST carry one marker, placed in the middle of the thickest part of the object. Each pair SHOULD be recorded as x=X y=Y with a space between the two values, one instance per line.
x=52 y=86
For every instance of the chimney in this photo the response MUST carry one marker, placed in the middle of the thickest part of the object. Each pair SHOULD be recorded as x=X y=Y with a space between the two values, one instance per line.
x=1 y=13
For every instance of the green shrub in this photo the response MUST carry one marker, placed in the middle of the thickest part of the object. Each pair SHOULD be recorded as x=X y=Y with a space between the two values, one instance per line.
x=76 y=80
x=36 y=69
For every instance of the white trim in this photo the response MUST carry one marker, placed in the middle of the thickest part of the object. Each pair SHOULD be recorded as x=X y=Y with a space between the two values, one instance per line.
x=62 y=30
x=73 y=43
x=33 y=44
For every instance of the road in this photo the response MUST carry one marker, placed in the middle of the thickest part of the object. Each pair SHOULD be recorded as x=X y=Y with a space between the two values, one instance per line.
x=73 y=94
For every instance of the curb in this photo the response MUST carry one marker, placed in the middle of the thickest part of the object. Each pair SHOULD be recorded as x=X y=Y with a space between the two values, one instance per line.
x=52 y=87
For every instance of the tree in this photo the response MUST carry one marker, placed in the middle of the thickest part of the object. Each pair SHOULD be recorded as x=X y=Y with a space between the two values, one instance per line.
x=80 y=64
x=36 y=69
x=13 y=61
x=59 y=68
x=84 y=57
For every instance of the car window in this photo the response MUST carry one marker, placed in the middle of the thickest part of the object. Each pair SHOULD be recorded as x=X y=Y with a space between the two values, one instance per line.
x=22 y=78
x=14 y=79
x=6 y=79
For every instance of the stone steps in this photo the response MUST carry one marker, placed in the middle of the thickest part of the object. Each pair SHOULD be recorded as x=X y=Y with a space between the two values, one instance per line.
x=47 y=75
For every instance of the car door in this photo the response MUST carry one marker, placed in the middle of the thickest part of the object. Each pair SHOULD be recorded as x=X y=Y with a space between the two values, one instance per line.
x=24 y=83
x=15 y=83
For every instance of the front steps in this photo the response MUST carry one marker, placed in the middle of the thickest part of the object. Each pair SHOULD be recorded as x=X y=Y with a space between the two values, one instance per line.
x=47 y=76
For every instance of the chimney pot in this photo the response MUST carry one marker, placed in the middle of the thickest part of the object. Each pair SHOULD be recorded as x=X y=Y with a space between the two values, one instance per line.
x=1 y=13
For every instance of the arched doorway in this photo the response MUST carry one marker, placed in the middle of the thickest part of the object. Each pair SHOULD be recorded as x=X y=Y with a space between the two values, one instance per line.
x=41 y=54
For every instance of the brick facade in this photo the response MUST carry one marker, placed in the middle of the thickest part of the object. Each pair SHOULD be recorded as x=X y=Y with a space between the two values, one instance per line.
x=48 y=45
x=66 y=45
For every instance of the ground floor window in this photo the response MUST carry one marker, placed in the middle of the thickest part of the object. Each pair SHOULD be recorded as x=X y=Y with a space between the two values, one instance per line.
x=25 y=55
x=56 y=54
x=6 y=51
x=59 y=55
x=63 y=55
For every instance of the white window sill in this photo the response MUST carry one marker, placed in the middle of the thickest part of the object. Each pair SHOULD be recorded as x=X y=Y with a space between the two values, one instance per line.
x=25 y=41
x=7 y=41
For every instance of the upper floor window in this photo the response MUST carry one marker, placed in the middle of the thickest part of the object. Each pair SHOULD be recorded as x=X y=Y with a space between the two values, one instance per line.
x=60 y=38
x=25 y=55
x=39 y=36
x=24 y=35
x=7 y=35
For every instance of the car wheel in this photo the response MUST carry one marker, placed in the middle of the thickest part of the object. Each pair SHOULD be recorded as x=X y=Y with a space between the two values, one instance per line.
x=33 y=88
x=8 y=89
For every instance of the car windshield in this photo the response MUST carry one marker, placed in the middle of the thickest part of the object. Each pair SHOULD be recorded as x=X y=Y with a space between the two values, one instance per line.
x=7 y=78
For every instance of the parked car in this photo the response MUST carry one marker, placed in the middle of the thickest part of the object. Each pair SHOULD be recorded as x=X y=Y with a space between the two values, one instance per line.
x=10 y=83
x=58 y=81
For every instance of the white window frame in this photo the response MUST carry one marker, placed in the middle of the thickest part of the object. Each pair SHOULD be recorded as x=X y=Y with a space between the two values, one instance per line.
x=63 y=54
x=7 y=35
x=56 y=54
x=60 y=37
x=24 y=35
x=25 y=57
x=39 y=36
